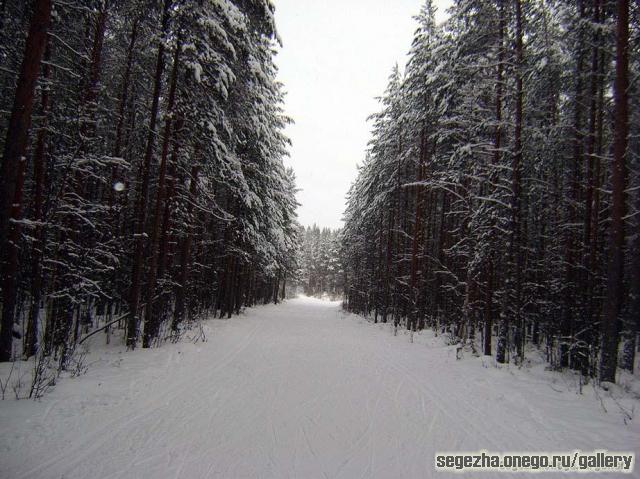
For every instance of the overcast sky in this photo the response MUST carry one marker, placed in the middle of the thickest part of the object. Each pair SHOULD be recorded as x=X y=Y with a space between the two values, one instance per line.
x=336 y=58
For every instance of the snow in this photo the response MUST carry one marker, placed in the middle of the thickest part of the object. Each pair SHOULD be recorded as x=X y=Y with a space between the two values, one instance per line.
x=197 y=71
x=298 y=390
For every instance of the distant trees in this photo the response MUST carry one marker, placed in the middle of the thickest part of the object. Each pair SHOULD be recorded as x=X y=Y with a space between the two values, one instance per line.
x=499 y=197
x=142 y=179
x=321 y=270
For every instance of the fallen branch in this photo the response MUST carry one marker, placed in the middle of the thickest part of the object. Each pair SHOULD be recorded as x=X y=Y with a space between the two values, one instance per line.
x=119 y=318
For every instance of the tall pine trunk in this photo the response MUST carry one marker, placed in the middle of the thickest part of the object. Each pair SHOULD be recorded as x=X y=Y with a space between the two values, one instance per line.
x=515 y=246
x=152 y=321
x=417 y=230
x=37 y=252
x=13 y=164
x=615 y=286
x=501 y=346
x=133 y=322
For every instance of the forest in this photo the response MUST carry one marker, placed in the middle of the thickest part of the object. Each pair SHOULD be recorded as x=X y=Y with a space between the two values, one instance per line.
x=321 y=273
x=223 y=256
x=499 y=201
x=142 y=182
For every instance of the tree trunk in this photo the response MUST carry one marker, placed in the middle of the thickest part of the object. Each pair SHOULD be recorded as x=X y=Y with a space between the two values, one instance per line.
x=417 y=228
x=37 y=253
x=515 y=247
x=152 y=321
x=13 y=164
x=185 y=254
x=615 y=286
x=501 y=346
x=587 y=278
x=143 y=192
x=632 y=324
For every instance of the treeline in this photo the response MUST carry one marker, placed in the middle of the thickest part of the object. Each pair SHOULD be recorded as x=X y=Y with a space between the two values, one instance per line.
x=142 y=175
x=500 y=197
x=321 y=272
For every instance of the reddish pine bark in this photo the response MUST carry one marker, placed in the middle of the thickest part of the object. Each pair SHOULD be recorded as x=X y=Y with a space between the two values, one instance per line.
x=185 y=256
x=143 y=192
x=516 y=186
x=615 y=286
x=152 y=321
x=39 y=168
x=416 y=241
x=14 y=162
x=501 y=347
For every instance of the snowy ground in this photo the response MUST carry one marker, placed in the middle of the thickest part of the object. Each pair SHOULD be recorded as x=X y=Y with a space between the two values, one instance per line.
x=299 y=390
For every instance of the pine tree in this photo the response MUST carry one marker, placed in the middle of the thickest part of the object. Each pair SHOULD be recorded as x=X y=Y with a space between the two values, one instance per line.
x=480 y=206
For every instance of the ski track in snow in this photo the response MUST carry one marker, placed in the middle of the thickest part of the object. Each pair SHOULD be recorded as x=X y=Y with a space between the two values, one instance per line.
x=296 y=390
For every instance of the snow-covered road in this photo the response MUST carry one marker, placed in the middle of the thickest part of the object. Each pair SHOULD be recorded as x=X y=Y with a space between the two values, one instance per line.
x=295 y=390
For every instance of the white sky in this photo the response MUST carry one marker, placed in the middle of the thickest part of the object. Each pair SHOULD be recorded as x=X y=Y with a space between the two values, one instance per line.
x=336 y=58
